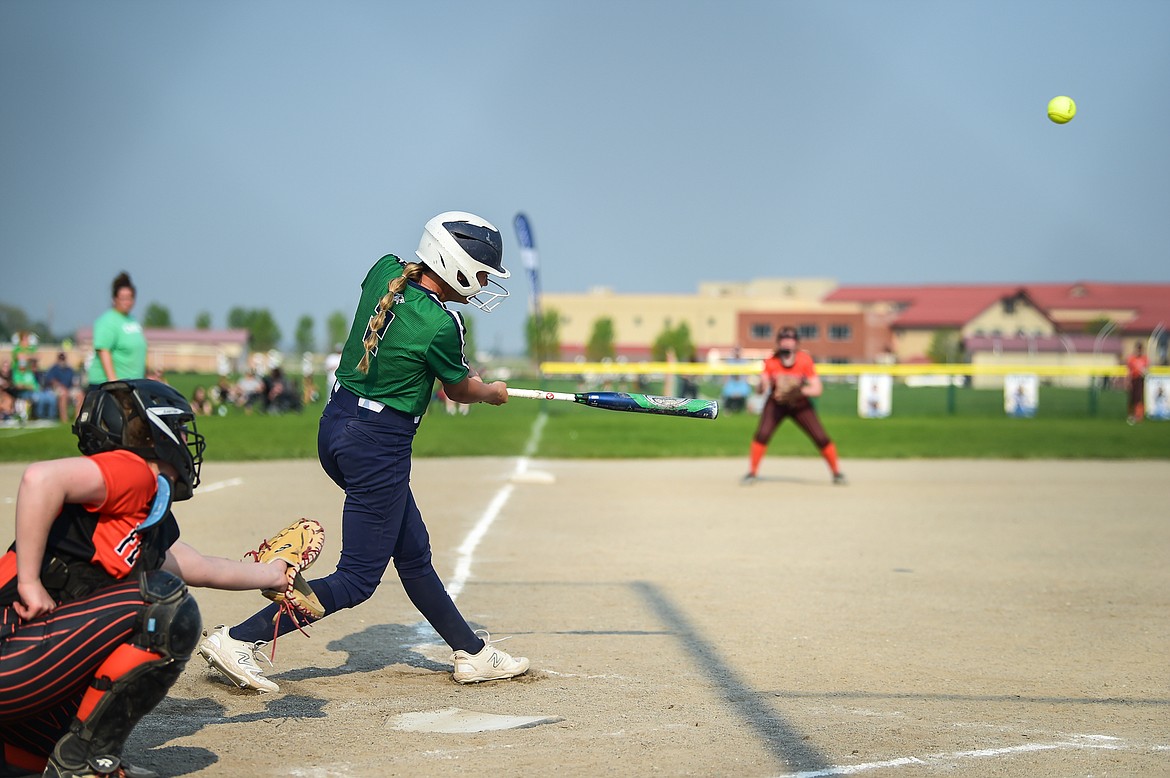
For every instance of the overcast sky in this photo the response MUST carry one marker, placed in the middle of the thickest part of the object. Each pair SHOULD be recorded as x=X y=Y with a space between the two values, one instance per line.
x=264 y=154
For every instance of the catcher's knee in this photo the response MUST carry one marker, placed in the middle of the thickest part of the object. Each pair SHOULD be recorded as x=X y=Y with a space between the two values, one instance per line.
x=170 y=625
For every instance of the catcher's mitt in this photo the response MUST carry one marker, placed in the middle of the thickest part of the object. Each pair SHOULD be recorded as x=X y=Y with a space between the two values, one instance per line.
x=298 y=544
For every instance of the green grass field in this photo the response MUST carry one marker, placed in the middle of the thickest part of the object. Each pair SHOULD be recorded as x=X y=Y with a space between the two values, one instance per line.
x=926 y=422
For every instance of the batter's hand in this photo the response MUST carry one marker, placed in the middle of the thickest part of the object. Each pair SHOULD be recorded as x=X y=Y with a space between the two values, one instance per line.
x=499 y=394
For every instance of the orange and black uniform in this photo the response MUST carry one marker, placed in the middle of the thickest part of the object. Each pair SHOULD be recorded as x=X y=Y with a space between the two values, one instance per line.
x=56 y=668
x=777 y=374
x=1136 y=368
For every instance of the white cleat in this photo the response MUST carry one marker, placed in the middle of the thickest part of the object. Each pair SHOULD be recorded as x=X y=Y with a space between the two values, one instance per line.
x=490 y=664
x=236 y=659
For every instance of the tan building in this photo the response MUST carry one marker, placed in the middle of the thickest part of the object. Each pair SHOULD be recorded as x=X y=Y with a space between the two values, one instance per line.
x=715 y=315
x=183 y=350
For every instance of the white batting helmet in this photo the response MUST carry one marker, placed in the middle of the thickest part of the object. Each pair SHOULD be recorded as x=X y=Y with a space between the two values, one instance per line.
x=458 y=246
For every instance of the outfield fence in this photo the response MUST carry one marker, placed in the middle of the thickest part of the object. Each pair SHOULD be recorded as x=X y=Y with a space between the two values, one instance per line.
x=1067 y=390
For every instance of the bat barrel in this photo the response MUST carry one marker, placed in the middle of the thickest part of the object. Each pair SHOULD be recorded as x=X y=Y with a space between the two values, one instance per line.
x=628 y=401
x=648 y=403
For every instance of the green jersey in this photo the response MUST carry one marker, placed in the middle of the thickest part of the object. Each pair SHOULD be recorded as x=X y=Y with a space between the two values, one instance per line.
x=120 y=335
x=420 y=341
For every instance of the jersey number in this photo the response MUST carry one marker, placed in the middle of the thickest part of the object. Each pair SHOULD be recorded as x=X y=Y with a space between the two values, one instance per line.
x=382 y=330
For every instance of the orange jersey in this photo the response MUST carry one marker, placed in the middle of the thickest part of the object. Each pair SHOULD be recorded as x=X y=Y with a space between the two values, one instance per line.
x=106 y=536
x=777 y=374
x=1137 y=367
x=130 y=489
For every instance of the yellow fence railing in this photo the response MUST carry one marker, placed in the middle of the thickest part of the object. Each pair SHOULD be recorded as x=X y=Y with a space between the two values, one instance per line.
x=754 y=367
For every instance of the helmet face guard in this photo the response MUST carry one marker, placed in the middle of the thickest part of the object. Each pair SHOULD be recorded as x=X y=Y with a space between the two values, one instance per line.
x=148 y=418
x=458 y=246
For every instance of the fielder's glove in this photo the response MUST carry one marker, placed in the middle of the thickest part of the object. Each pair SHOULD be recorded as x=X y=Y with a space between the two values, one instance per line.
x=298 y=544
x=788 y=391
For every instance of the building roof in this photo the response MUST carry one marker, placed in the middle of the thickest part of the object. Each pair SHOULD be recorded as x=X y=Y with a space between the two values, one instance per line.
x=930 y=305
x=1149 y=302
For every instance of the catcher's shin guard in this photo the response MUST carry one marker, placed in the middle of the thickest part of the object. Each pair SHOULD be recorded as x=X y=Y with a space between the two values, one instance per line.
x=136 y=676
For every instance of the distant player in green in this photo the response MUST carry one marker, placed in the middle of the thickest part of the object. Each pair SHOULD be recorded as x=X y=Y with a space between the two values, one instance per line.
x=118 y=341
x=402 y=340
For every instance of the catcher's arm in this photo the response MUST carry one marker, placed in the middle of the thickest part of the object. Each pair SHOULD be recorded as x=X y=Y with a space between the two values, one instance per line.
x=214 y=572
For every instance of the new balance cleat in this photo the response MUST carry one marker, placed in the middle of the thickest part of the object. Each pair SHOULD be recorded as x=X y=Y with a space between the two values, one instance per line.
x=236 y=659
x=490 y=664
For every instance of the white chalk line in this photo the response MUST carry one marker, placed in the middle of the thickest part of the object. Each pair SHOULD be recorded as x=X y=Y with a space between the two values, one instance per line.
x=466 y=552
x=1075 y=742
x=216 y=486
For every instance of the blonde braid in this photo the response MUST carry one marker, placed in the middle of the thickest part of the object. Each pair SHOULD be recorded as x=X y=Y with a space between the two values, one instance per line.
x=411 y=272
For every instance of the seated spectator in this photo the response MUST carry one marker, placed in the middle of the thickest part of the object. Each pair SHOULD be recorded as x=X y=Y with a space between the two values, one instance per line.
x=62 y=381
x=223 y=394
x=24 y=376
x=250 y=391
x=282 y=397
x=735 y=393
x=200 y=402
x=7 y=392
x=42 y=400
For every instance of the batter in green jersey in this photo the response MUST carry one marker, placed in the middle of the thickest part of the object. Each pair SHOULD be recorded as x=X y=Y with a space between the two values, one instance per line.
x=419 y=340
x=402 y=340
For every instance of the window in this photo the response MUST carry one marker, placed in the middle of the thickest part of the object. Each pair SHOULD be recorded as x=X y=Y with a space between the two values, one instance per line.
x=1009 y=305
x=809 y=331
x=840 y=332
x=760 y=331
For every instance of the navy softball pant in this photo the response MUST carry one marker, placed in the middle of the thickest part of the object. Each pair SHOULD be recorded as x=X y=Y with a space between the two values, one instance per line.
x=367 y=453
x=48 y=664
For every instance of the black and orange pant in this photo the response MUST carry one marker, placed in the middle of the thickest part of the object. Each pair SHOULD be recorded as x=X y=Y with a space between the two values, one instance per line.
x=47 y=666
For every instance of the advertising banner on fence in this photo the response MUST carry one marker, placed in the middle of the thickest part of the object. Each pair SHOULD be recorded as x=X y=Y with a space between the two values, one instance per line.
x=874 y=396
x=1021 y=395
x=1158 y=397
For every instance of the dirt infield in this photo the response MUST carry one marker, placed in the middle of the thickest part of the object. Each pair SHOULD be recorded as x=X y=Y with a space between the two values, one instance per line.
x=930 y=618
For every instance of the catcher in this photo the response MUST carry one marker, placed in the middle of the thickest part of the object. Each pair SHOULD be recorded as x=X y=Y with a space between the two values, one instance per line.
x=789 y=381
x=96 y=623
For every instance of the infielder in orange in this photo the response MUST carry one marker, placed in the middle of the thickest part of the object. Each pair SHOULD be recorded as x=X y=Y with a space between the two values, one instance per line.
x=1136 y=368
x=789 y=381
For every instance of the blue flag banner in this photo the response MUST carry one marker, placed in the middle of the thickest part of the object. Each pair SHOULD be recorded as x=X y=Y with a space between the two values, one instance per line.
x=529 y=259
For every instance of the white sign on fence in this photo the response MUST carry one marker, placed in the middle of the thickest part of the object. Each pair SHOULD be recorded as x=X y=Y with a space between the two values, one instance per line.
x=874 y=396
x=1158 y=397
x=1021 y=395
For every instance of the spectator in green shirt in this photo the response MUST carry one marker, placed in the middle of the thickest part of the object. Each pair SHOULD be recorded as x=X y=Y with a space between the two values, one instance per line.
x=118 y=341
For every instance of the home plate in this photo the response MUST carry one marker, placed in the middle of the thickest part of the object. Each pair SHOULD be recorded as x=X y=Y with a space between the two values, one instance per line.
x=533 y=477
x=453 y=721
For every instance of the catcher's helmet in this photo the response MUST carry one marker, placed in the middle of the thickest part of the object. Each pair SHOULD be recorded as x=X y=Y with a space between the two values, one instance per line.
x=458 y=246
x=147 y=418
